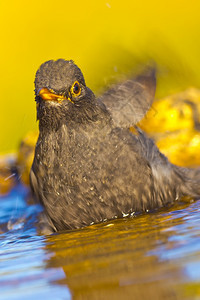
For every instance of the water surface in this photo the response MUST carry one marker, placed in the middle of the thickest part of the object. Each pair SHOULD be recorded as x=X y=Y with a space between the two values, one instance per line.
x=150 y=256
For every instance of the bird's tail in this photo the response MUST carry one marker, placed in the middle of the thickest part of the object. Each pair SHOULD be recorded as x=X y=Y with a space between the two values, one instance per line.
x=189 y=180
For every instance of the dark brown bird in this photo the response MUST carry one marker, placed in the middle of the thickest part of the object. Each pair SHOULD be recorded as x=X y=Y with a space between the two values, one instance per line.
x=88 y=166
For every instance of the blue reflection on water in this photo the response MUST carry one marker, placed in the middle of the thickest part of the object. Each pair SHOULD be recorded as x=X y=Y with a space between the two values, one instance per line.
x=183 y=246
x=192 y=270
x=23 y=254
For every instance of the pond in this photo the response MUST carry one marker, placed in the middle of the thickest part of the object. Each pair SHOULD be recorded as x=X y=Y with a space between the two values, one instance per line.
x=150 y=256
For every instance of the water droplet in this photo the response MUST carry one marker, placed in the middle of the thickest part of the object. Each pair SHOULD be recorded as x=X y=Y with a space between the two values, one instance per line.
x=124 y=214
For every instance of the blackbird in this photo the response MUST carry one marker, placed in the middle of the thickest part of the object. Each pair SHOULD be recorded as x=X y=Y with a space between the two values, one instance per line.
x=88 y=166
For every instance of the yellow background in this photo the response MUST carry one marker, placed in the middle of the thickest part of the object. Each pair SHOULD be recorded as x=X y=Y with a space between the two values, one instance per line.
x=104 y=38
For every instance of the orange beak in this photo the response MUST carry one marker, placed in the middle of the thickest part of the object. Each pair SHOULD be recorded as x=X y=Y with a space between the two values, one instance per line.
x=45 y=94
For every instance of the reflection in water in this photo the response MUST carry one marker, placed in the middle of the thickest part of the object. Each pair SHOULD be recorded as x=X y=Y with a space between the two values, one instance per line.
x=126 y=259
x=23 y=273
x=151 y=256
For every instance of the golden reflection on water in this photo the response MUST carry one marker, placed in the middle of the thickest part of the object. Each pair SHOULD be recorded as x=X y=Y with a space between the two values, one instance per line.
x=123 y=259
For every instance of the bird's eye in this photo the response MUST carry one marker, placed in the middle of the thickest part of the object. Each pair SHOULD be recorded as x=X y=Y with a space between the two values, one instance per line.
x=76 y=89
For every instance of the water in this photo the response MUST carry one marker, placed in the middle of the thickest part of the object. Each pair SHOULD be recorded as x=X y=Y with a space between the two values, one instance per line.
x=151 y=256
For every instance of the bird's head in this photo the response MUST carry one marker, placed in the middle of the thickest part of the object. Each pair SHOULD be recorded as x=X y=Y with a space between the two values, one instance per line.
x=62 y=95
x=63 y=98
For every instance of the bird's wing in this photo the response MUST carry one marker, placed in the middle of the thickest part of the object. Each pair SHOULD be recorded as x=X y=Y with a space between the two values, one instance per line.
x=129 y=101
